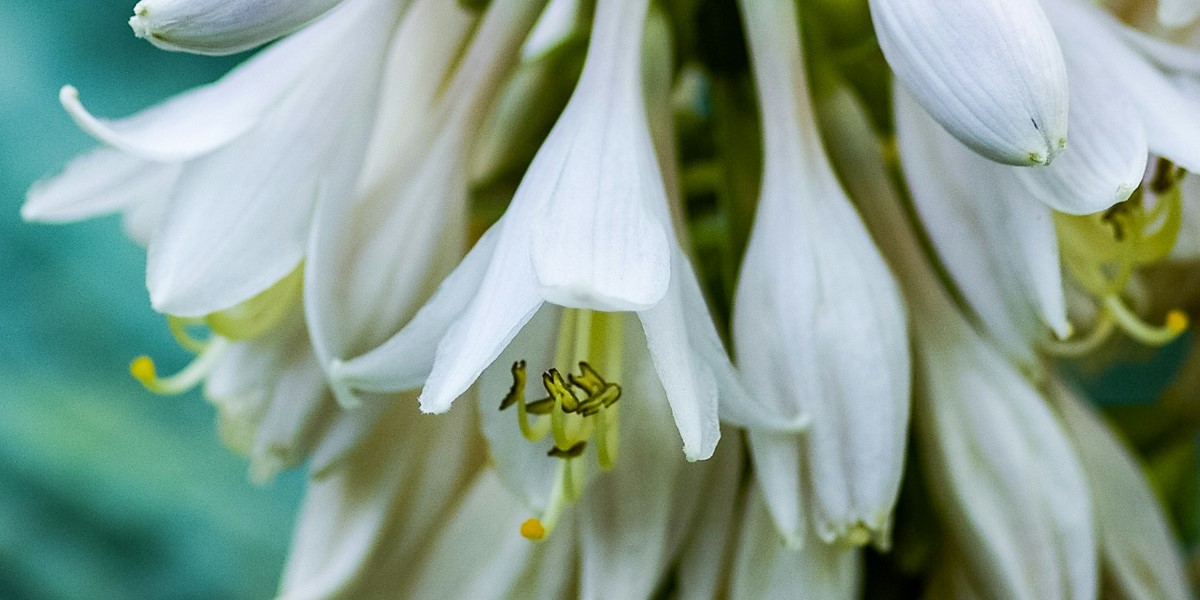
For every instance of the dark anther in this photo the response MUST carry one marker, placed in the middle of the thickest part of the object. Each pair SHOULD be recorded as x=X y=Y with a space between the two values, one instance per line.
x=517 y=391
x=572 y=452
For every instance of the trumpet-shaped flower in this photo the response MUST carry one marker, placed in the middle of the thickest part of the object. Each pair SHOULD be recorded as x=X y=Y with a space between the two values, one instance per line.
x=221 y=26
x=990 y=71
x=587 y=228
x=816 y=306
x=1006 y=482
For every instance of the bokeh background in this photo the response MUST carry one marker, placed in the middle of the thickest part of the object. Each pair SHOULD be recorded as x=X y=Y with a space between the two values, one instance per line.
x=106 y=491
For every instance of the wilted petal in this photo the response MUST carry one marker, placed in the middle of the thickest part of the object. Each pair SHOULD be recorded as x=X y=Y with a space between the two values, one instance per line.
x=239 y=220
x=998 y=244
x=817 y=306
x=990 y=71
x=766 y=569
x=96 y=183
x=1137 y=546
x=598 y=243
x=217 y=27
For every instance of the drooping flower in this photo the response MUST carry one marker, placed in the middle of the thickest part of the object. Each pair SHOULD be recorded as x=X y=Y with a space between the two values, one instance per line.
x=816 y=306
x=588 y=228
x=222 y=26
x=989 y=71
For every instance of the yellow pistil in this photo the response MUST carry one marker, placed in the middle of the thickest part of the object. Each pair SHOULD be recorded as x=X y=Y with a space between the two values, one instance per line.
x=142 y=368
x=579 y=407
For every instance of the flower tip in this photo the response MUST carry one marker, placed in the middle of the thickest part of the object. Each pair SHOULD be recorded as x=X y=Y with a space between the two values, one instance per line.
x=140 y=22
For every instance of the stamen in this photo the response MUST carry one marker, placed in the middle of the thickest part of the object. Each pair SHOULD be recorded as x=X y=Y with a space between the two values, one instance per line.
x=178 y=327
x=1175 y=324
x=1076 y=347
x=142 y=368
x=858 y=535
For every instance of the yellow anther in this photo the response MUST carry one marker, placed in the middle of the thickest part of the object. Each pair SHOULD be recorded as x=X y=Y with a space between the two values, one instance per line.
x=1177 y=321
x=532 y=529
x=142 y=369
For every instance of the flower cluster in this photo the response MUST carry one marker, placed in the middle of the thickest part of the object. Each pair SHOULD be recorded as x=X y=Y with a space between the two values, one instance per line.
x=908 y=220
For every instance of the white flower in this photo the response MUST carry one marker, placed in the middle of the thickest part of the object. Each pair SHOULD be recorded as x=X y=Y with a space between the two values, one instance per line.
x=990 y=71
x=816 y=307
x=1178 y=13
x=363 y=532
x=587 y=228
x=222 y=26
x=241 y=183
x=1137 y=547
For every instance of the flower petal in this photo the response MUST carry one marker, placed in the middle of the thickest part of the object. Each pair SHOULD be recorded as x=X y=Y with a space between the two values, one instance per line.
x=239 y=220
x=99 y=182
x=687 y=376
x=598 y=243
x=990 y=71
x=405 y=360
x=1139 y=551
x=999 y=245
x=1004 y=477
x=766 y=569
x=1178 y=13
x=706 y=550
x=778 y=468
x=218 y=27
x=1105 y=161
x=1171 y=119
x=206 y=118
x=364 y=524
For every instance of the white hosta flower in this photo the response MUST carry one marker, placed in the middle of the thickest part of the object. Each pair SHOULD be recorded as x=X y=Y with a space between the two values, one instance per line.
x=1004 y=478
x=998 y=244
x=241 y=186
x=816 y=306
x=1137 y=547
x=990 y=71
x=364 y=533
x=767 y=569
x=587 y=228
x=217 y=27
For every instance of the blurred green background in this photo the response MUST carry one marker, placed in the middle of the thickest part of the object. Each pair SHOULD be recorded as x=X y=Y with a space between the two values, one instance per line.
x=106 y=491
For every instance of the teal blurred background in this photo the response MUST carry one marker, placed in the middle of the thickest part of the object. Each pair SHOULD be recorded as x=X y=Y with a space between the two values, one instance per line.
x=106 y=491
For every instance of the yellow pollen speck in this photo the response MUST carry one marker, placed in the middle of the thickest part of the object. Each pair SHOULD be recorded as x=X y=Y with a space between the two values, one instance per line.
x=533 y=530
x=142 y=369
x=858 y=535
x=1177 y=320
